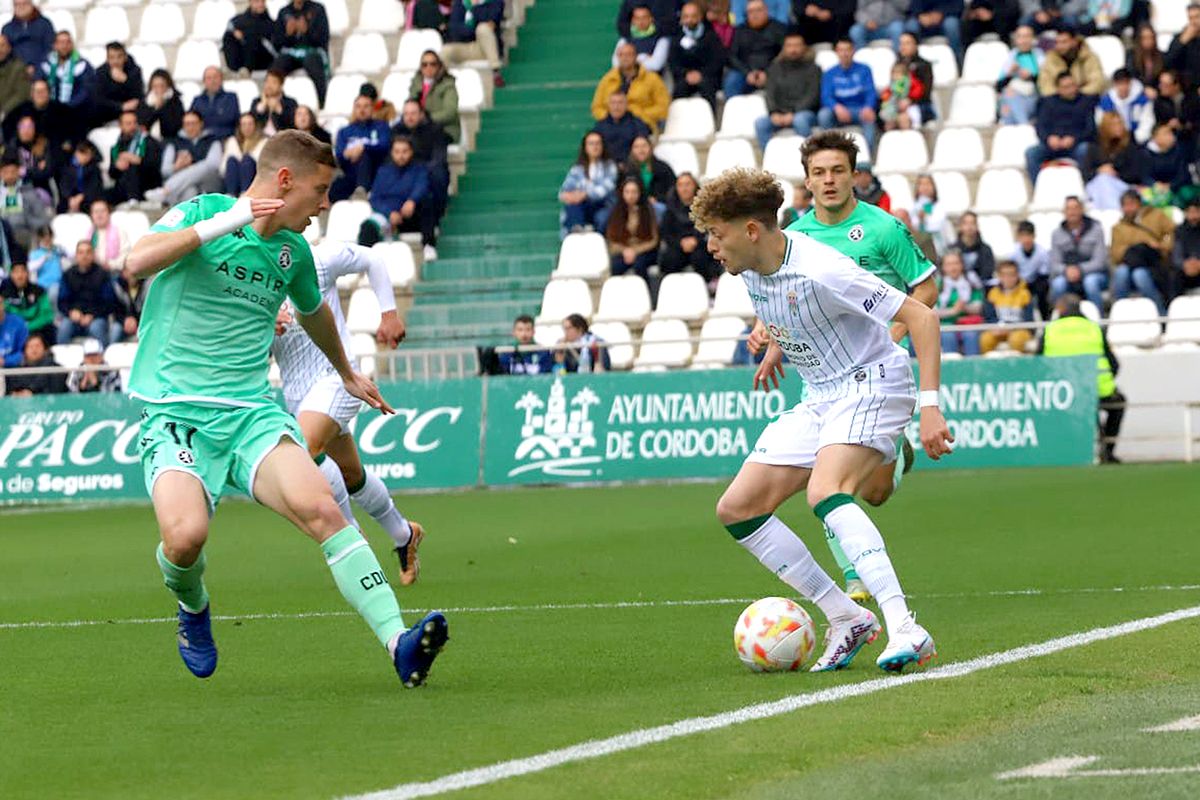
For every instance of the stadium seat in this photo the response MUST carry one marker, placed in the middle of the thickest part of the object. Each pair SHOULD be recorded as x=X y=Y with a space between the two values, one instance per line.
x=619 y=340
x=312 y=234
x=70 y=5
x=398 y=257
x=547 y=334
x=563 y=297
x=903 y=152
x=105 y=24
x=625 y=299
x=395 y=87
x=958 y=149
x=1110 y=50
x=732 y=299
x=789 y=194
x=1170 y=17
x=997 y=231
x=682 y=295
x=665 y=343
x=718 y=339
x=1183 y=320
x=1053 y=186
x=341 y=93
x=67 y=355
x=363 y=348
x=689 y=119
x=412 y=44
x=1001 y=191
x=951 y=355
x=247 y=91
x=945 y=66
x=364 y=52
x=982 y=62
x=120 y=354
x=880 y=60
x=1107 y=217
x=192 y=58
x=381 y=16
x=899 y=190
x=739 y=116
x=301 y=88
x=188 y=90
x=135 y=224
x=1044 y=223
x=62 y=19
x=338 y=14
x=825 y=59
x=69 y=230
x=1009 y=145
x=345 y=218
x=1133 y=323
x=1090 y=310
x=583 y=255
x=973 y=106
x=954 y=195
x=471 y=93
x=149 y=57
x=104 y=138
x=782 y=158
x=162 y=23
x=362 y=314
x=681 y=156
x=727 y=154
x=211 y=19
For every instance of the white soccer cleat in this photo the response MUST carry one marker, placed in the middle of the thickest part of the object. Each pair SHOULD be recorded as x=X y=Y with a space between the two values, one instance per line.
x=912 y=644
x=844 y=639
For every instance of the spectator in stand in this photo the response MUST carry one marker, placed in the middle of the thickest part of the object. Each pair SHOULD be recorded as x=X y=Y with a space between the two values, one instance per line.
x=1008 y=303
x=646 y=94
x=666 y=15
x=651 y=46
x=13 y=333
x=755 y=46
x=14 y=79
x=428 y=14
x=110 y=244
x=821 y=21
x=587 y=191
x=1113 y=163
x=1045 y=15
x=429 y=143
x=274 y=111
x=86 y=298
x=216 y=106
x=301 y=41
x=1078 y=255
x=39 y=160
x=620 y=128
x=161 y=107
x=1066 y=125
x=848 y=94
x=45 y=261
x=867 y=187
x=1164 y=166
x=976 y=254
x=928 y=215
x=31 y=35
x=1071 y=54
x=697 y=58
x=135 y=164
x=928 y=18
x=240 y=159
x=793 y=92
x=525 y=362
x=779 y=10
x=70 y=76
x=473 y=34
x=878 y=19
x=37 y=354
x=989 y=16
x=959 y=302
x=85 y=380
x=49 y=116
x=1033 y=263
x=30 y=302
x=191 y=163
x=306 y=120
x=656 y=176
x=1145 y=60
x=1114 y=17
x=1128 y=99
x=1183 y=55
x=129 y=293
x=119 y=84
x=802 y=202
x=1179 y=110
x=1142 y=243
x=11 y=251
x=718 y=17
x=580 y=350
x=247 y=40
x=362 y=146
x=683 y=245
x=401 y=201
x=435 y=89
x=921 y=71
x=632 y=231
x=1186 y=257
x=923 y=241
x=21 y=206
x=898 y=90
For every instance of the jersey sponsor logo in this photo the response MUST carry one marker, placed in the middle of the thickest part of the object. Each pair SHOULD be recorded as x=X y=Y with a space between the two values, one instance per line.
x=875 y=297
x=252 y=277
x=171 y=218
x=185 y=457
x=285 y=257
x=856 y=233
x=758 y=298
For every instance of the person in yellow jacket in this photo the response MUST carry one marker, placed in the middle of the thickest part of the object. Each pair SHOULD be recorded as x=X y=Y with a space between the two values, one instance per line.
x=1073 y=334
x=648 y=95
x=1071 y=54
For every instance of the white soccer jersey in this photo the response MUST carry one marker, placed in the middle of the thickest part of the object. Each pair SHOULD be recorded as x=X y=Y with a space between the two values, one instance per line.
x=301 y=363
x=831 y=318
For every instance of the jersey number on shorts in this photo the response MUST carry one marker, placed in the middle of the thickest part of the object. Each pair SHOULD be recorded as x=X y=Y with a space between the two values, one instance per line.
x=188 y=433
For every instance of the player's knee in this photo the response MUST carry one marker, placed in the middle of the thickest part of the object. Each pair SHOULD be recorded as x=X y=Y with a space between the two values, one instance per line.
x=875 y=495
x=318 y=514
x=183 y=539
x=731 y=509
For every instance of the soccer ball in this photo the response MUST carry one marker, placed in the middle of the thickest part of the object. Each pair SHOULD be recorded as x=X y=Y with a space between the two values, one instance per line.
x=774 y=635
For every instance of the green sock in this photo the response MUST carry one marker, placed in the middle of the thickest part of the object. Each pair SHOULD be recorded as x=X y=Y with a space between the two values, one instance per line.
x=839 y=556
x=358 y=575
x=186 y=582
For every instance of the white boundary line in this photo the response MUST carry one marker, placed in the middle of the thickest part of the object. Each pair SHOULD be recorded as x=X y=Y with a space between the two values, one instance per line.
x=596 y=748
x=619 y=604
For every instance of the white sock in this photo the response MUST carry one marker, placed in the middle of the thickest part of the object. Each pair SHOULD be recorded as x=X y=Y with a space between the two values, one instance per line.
x=781 y=551
x=333 y=474
x=375 y=500
x=863 y=545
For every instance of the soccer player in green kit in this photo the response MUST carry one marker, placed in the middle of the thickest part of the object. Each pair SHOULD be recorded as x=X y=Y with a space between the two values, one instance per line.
x=880 y=244
x=222 y=268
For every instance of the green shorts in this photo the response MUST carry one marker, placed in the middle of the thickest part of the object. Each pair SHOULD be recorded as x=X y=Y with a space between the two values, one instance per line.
x=220 y=446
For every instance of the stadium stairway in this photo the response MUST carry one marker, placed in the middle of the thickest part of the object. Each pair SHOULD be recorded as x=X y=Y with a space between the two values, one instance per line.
x=500 y=238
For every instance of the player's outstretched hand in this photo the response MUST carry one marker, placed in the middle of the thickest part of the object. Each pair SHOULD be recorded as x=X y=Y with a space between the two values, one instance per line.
x=770 y=370
x=365 y=389
x=758 y=338
x=391 y=330
x=264 y=206
x=935 y=434
x=283 y=319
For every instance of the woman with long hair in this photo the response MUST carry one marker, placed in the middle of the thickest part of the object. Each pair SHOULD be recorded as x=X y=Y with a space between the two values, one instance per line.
x=39 y=162
x=306 y=120
x=1113 y=162
x=241 y=155
x=437 y=92
x=632 y=232
x=657 y=177
x=162 y=107
x=1145 y=60
x=586 y=193
x=110 y=243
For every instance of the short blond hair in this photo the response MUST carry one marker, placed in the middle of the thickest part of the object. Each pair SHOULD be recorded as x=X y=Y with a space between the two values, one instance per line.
x=298 y=151
x=738 y=193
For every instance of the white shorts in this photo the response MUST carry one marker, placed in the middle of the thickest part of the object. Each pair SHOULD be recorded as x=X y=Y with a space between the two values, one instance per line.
x=328 y=396
x=795 y=437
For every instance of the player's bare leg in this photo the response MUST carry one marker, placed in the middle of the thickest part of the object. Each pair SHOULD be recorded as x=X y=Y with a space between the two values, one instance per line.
x=319 y=430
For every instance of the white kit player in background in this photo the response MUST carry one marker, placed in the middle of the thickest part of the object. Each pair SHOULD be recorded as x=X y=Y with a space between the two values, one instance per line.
x=830 y=318
x=315 y=396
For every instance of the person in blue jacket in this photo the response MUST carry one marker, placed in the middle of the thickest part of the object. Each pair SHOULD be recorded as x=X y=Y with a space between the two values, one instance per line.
x=217 y=107
x=72 y=79
x=30 y=34
x=360 y=148
x=13 y=333
x=848 y=95
x=401 y=199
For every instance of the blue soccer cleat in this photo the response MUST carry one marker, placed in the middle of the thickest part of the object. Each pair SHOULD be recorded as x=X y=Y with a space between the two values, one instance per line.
x=196 y=645
x=911 y=645
x=418 y=647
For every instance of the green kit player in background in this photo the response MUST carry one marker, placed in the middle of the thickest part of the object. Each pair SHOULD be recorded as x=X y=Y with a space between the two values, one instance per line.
x=880 y=244
x=222 y=268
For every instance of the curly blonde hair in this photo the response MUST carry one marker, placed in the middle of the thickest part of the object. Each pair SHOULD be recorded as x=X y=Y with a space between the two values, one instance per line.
x=738 y=193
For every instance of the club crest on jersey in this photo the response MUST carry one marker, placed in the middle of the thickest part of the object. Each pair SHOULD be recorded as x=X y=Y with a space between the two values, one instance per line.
x=856 y=234
x=186 y=457
x=285 y=257
x=793 y=303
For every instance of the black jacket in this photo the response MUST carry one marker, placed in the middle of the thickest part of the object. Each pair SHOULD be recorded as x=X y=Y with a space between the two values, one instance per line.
x=1127 y=163
x=665 y=12
x=1169 y=167
x=73 y=179
x=318 y=27
x=662 y=178
x=283 y=120
x=755 y=49
x=39 y=169
x=429 y=141
x=169 y=117
x=55 y=121
x=254 y=26
x=110 y=95
x=793 y=86
x=677 y=223
x=47 y=383
x=618 y=135
x=91 y=292
x=1165 y=110
x=707 y=56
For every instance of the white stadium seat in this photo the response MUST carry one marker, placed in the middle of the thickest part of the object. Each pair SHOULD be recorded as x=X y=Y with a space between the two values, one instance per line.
x=681 y=156
x=1107 y=217
x=72 y=5
x=149 y=57
x=1110 y=50
x=689 y=119
x=67 y=355
x=364 y=52
x=1009 y=145
x=565 y=297
x=381 y=16
x=782 y=158
x=547 y=334
x=954 y=195
x=1170 y=16
x=959 y=149
x=211 y=19
x=312 y=234
x=1132 y=323
x=412 y=44
x=727 y=154
x=1044 y=223
x=162 y=23
x=624 y=298
x=973 y=106
x=471 y=93
x=395 y=87
x=1089 y=310
x=192 y=58
x=1183 y=320
x=620 y=342
x=718 y=339
x=62 y=19
x=880 y=60
x=104 y=25
x=339 y=16
x=362 y=315
x=997 y=231
x=120 y=354
x=342 y=91
x=664 y=344
x=983 y=61
x=789 y=194
x=739 y=116
x=104 y=139
x=301 y=88
x=732 y=299
x=902 y=151
x=1053 y=186
x=134 y=224
x=899 y=189
x=345 y=218
x=583 y=255
x=247 y=90
x=398 y=258
x=1001 y=191
x=945 y=66
x=825 y=59
x=682 y=295
x=69 y=230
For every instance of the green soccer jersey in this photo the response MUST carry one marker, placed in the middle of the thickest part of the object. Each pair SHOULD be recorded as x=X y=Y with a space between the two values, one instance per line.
x=877 y=241
x=209 y=318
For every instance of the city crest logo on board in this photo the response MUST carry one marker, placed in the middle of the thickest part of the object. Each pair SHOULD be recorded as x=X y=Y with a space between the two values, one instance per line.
x=557 y=434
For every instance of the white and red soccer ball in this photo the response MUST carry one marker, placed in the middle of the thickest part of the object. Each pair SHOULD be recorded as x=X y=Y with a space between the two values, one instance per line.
x=774 y=634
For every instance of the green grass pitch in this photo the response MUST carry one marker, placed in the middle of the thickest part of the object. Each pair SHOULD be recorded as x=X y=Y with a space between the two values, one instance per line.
x=309 y=707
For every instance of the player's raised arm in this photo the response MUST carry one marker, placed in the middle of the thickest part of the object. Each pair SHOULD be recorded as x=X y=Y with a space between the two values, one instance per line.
x=322 y=329
x=156 y=251
x=923 y=327
x=391 y=328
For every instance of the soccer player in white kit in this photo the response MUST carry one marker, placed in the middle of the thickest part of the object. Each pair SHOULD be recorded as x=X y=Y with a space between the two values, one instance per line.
x=831 y=319
x=315 y=396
